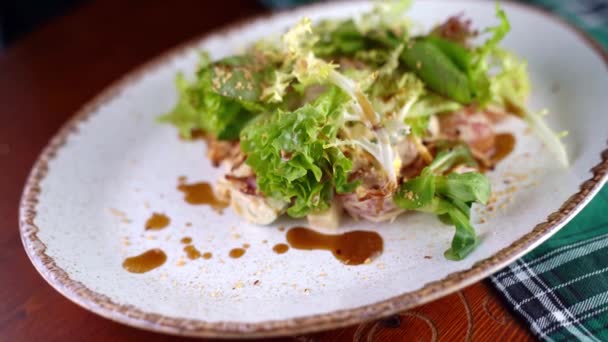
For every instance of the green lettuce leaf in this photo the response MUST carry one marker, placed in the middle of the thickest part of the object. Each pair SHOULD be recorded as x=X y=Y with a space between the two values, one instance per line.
x=480 y=61
x=417 y=192
x=457 y=53
x=465 y=239
x=453 y=70
x=338 y=38
x=451 y=156
x=437 y=70
x=447 y=196
x=289 y=155
x=385 y=16
x=222 y=99
x=466 y=187
x=384 y=23
x=396 y=92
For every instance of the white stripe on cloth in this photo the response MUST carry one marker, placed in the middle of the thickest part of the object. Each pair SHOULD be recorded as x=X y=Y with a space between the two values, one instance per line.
x=552 y=303
x=568 y=283
x=556 y=261
x=532 y=263
x=583 y=310
x=581 y=318
x=533 y=324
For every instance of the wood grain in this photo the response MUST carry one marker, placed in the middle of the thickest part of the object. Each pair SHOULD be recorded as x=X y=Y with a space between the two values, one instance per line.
x=53 y=71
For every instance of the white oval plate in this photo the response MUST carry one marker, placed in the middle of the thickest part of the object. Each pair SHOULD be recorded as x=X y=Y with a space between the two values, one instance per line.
x=113 y=157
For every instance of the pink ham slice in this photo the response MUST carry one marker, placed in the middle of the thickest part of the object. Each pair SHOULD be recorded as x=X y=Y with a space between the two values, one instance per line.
x=373 y=205
x=471 y=126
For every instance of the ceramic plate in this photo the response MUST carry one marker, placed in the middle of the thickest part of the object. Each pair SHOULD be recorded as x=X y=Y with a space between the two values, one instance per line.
x=112 y=166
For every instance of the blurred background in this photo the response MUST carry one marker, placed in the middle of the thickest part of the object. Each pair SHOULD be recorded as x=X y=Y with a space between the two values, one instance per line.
x=20 y=17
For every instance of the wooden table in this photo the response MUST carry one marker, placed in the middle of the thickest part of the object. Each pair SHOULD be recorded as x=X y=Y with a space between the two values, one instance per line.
x=49 y=74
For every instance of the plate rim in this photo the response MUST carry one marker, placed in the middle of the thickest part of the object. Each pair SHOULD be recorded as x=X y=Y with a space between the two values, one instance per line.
x=130 y=315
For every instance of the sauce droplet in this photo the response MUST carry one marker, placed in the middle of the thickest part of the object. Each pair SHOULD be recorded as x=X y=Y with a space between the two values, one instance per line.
x=351 y=248
x=186 y=240
x=201 y=193
x=192 y=252
x=281 y=229
x=280 y=248
x=195 y=134
x=198 y=134
x=503 y=146
x=157 y=221
x=207 y=255
x=246 y=245
x=145 y=262
x=236 y=253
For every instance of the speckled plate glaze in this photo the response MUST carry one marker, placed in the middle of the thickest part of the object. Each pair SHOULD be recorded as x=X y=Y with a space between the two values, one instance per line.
x=87 y=199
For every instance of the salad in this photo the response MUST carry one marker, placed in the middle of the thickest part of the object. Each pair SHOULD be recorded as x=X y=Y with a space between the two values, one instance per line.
x=360 y=116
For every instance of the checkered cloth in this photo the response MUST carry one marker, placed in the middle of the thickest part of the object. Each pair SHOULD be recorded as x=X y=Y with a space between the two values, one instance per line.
x=561 y=288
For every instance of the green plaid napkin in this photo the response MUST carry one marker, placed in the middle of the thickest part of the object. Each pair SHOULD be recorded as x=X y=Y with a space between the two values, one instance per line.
x=561 y=288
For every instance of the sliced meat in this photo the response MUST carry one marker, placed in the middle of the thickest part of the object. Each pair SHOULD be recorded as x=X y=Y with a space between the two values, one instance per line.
x=246 y=202
x=413 y=169
x=239 y=188
x=407 y=152
x=219 y=151
x=256 y=209
x=373 y=199
x=456 y=29
x=472 y=127
x=372 y=205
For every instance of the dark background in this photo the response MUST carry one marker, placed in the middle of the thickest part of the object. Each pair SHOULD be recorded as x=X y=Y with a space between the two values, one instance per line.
x=19 y=17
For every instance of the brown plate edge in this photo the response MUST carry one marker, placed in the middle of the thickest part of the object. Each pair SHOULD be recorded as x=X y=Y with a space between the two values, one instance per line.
x=130 y=315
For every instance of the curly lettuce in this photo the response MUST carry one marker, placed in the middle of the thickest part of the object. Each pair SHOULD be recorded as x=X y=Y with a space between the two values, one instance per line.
x=307 y=69
x=291 y=158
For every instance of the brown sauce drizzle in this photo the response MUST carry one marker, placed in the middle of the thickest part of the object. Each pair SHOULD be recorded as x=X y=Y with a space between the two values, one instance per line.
x=504 y=143
x=195 y=134
x=201 y=193
x=186 y=240
x=351 y=248
x=280 y=248
x=503 y=146
x=198 y=134
x=236 y=253
x=145 y=262
x=192 y=252
x=207 y=255
x=157 y=221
